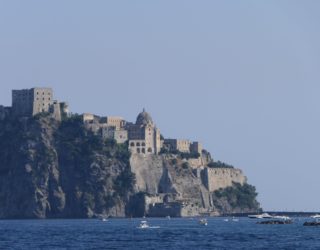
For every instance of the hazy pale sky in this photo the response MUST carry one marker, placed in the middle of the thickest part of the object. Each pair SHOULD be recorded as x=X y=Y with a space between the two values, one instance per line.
x=243 y=77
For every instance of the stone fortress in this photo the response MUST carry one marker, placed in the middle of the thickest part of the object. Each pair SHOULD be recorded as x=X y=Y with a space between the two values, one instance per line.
x=143 y=138
x=30 y=102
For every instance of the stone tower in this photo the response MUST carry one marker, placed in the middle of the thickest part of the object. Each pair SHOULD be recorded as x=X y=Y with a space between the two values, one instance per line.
x=29 y=102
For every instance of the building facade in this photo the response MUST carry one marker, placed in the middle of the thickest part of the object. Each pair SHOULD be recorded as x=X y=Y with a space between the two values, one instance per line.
x=30 y=102
x=144 y=136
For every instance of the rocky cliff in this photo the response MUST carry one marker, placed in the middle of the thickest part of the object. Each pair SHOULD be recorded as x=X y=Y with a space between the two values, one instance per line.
x=50 y=169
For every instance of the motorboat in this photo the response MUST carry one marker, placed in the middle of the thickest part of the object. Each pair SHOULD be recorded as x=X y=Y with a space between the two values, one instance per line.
x=203 y=222
x=316 y=216
x=281 y=217
x=104 y=219
x=144 y=224
x=260 y=216
x=266 y=216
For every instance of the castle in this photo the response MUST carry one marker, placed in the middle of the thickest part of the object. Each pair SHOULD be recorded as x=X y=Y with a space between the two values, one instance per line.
x=143 y=136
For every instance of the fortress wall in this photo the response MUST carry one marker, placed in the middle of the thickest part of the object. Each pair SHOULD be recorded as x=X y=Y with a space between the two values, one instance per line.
x=216 y=178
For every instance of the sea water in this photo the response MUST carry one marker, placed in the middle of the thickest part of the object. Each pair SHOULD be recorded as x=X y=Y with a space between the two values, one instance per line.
x=180 y=233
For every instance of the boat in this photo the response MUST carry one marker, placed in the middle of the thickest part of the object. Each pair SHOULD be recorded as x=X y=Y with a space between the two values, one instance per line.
x=281 y=217
x=168 y=217
x=104 y=219
x=226 y=220
x=260 y=216
x=277 y=220
x=235 y=219
x=203 y=222
x=144 y=224
x=316 y=216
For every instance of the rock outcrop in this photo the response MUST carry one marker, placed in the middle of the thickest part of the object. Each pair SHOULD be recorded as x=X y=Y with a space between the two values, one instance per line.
x=50 y=169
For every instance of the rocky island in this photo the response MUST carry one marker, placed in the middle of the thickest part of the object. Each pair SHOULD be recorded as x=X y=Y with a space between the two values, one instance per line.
x=54 y=164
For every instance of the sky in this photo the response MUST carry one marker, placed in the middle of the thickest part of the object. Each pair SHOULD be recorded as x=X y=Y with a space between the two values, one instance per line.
x=242 y=77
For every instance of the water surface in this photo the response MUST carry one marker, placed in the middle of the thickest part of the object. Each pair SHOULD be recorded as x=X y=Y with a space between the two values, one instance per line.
x=179 y=233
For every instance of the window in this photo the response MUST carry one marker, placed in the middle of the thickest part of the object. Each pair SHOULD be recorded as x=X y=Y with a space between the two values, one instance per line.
x=143 y=144
x=138 y=144
x=132 y=144
x=143 y=150
x=150 y=150
x=138 y=150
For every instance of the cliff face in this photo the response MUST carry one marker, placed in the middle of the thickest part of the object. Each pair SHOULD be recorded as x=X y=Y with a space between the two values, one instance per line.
x=168 y=181
x=61 y=170
x=50 y=170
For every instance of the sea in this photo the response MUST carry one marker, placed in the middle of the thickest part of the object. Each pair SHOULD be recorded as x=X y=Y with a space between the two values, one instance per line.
x=165 y=233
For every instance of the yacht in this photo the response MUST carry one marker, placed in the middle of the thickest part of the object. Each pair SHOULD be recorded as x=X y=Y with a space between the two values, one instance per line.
x=260 y=216
x=316 y=216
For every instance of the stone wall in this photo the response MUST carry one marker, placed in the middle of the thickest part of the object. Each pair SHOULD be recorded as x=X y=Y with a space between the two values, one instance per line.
x=115 y=121
x=216 y=178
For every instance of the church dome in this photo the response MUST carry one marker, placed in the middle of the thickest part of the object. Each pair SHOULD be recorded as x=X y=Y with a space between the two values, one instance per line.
x=144 y=118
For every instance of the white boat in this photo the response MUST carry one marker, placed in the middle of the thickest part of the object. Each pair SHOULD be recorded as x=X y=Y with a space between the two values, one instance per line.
x=266 y=216
x=226 y=220
x=104 y=219
x=235 y=219
x=144 y=224
x=316 y=216
x=203 y=222
x=168 y=217
x=260 y=216
x=281 y=217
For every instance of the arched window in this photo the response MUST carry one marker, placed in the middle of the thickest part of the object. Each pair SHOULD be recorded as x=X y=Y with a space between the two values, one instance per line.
x=143 y=144
x=138 y=144
x=150 y=150
x=143 y=150
x=138 y=150
x=132 y=144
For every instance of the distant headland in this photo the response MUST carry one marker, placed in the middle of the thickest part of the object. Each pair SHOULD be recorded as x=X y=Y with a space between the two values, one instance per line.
x=55 y=164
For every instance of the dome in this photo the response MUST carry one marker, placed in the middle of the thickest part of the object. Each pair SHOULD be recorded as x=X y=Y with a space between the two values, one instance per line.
x=144 y=118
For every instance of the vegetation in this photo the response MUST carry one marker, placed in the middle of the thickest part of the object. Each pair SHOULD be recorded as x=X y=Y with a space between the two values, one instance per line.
x=219 y=164
x=243 y=196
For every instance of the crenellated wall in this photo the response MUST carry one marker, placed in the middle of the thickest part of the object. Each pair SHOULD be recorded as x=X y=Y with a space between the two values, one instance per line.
x=216 y=178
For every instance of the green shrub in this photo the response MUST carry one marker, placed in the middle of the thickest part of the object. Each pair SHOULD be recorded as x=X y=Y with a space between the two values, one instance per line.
x=219 y=164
